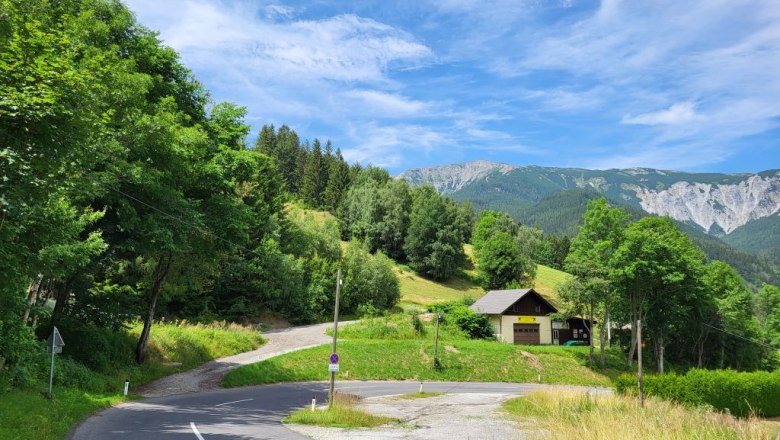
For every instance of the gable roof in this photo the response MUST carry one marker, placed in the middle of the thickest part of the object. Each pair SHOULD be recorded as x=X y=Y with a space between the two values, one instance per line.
x=496 y=302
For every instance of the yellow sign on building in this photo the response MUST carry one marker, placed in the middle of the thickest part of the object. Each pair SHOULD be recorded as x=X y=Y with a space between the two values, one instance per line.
x=526 y=319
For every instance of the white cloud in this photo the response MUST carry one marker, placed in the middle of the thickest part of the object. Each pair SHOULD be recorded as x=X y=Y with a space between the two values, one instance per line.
x=386 y=146
x=679 y=113
x=386 y=104
x=342 y=47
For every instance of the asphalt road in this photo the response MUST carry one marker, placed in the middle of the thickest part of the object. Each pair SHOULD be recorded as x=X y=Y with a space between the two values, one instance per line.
x=248 y=413
x=210 y=375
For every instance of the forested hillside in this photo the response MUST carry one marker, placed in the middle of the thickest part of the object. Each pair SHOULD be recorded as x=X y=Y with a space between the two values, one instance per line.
x=554 y=199
x=128 y=195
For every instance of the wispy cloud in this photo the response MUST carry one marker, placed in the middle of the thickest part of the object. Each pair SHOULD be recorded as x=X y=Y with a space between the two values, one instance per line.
x=617 y=82
x=679 y=113
x=386 y=104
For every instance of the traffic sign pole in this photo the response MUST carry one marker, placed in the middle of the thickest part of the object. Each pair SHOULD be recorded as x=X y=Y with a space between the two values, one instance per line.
x=51 y=374
x=335 y=336
x=54 y=344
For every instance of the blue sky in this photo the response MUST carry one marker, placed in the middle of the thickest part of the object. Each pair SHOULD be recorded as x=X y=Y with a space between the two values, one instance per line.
x=685 y=85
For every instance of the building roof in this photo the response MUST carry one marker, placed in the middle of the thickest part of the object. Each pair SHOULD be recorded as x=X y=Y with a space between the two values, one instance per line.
x=496 y=302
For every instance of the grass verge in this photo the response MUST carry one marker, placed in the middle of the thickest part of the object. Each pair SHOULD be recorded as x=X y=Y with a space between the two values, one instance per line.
x=419 y=395
x=477 y=361
x=79 y=392
x=342 y=414
x=337 y=416
x=580 y=415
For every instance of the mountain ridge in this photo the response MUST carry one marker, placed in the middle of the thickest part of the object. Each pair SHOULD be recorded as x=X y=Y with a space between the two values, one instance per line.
x=555 y=199
x=718 y=202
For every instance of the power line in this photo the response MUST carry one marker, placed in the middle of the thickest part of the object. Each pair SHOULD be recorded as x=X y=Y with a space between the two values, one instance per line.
x=740 y=336
x=180 y=220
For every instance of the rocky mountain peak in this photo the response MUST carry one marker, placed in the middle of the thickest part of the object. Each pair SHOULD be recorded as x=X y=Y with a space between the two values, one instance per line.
x=448 y=179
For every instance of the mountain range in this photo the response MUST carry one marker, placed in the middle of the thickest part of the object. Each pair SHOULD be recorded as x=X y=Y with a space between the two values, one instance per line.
x=731 y=215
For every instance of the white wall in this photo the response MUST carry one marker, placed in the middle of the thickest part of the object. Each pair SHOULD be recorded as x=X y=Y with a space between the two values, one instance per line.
x=505 y=328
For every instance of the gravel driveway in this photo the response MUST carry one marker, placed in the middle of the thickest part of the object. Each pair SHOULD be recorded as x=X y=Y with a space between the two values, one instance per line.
x=210 y=375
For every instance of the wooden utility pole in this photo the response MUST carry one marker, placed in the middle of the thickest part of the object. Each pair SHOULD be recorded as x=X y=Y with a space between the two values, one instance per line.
x=639 y=361
x=436 y=343
x=335 y=335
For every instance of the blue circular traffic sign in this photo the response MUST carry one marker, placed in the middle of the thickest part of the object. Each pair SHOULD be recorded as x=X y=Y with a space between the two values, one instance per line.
x=334 y=358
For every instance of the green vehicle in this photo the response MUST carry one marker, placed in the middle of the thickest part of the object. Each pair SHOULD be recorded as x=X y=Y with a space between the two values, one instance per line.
x=574 y=342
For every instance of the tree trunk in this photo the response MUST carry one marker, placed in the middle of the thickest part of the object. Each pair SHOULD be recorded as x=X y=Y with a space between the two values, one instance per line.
x=590 y=339
x=63 y=294
x=160 y=272
x=632 y=345
x=32 y=294
x=658 y=348
x=603 y=337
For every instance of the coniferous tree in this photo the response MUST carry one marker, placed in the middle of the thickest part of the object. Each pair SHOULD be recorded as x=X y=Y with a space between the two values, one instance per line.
x=338 y=183
x=312 y=188
x=434 y=241
x=266 y=142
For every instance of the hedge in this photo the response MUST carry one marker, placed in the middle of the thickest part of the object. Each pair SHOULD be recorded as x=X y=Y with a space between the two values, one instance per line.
x=743 y=394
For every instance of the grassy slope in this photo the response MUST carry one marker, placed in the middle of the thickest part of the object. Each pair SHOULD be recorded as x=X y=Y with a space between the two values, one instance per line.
x=547 y=280
x=462 y=360
x=418 y=290
x=27 y=414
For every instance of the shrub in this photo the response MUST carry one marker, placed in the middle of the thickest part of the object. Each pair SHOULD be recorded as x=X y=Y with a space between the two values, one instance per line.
x=475 y=325
x=741 y=393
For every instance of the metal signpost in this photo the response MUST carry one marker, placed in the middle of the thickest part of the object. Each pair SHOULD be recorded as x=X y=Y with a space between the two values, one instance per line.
x=334 y=358
x=54 y=345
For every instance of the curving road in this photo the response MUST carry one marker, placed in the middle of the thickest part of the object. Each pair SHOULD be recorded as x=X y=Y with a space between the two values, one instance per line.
x=209 y=376
x=250 y=413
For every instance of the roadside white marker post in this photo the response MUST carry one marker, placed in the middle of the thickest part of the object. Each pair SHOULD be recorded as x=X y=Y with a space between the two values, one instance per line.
x=127 y=386
x=313 y=402
x=335 y=336
x=421 y=387
x=639 y=361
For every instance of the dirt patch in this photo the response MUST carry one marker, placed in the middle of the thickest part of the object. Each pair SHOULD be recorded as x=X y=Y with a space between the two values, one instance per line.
x=445 y=417
x=451 y=349
x=533 y=361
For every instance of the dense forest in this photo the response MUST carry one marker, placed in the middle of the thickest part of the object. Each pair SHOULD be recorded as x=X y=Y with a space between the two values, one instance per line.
x=128 y=195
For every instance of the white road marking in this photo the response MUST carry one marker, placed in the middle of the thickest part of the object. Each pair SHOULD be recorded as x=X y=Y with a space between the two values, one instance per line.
x=235 y=401
x=195 y=430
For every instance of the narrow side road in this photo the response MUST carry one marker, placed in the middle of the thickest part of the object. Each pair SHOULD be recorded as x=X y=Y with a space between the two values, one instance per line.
x=210 y=375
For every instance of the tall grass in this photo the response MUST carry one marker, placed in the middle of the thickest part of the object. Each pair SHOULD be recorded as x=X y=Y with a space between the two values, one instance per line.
x=571 y=414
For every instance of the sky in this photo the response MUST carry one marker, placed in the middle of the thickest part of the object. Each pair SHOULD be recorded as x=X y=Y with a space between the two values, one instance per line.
x=681 y=85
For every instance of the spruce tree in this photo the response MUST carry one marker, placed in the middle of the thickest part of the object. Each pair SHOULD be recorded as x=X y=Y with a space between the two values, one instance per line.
x=312 y=188
x=338 y=183
x=266 y=143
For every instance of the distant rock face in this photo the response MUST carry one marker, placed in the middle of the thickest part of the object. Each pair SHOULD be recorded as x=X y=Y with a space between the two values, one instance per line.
x=718 y=203
x=728 y=206
x=450 y=178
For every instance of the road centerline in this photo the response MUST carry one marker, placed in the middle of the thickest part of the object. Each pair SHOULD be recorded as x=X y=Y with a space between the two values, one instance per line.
x=195 y=430
x=235 y=401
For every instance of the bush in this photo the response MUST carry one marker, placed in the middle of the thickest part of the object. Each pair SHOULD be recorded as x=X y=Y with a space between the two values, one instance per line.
x=475 y=325
x=741 y=393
